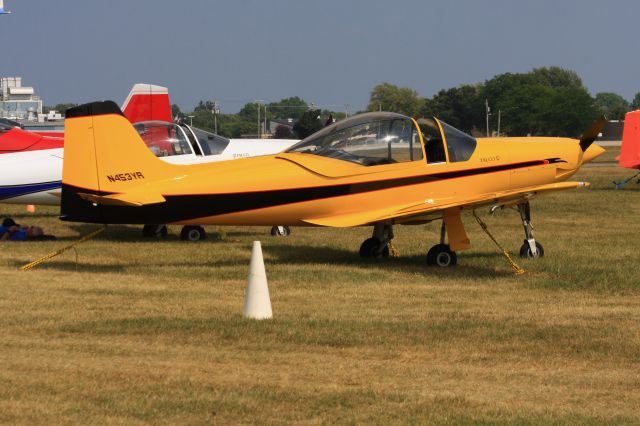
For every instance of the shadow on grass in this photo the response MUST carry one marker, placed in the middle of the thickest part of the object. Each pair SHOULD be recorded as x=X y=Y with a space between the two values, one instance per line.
x=415 y=264
x=133 y=233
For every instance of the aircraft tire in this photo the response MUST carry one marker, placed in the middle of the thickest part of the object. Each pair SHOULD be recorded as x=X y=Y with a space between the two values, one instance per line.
x=441 y=255
x=280 y=231
x=370 y=248
x=154 y=231
x=192 y=233
x=525 y=251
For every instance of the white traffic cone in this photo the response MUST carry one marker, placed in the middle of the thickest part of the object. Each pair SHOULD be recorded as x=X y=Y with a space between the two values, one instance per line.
x=257 y=304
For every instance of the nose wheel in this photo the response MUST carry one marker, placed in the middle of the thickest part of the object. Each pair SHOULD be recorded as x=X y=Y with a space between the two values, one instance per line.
x=531 y=249
x=280 y=231
x=527 y=253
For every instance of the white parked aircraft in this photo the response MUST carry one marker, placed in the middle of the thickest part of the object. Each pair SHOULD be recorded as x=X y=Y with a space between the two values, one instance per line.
x=33 y=176
x=29 y=175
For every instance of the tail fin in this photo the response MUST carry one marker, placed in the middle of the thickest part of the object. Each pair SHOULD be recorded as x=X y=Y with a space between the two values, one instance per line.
x=630 y=149
x=147 y=102
x=105 y=157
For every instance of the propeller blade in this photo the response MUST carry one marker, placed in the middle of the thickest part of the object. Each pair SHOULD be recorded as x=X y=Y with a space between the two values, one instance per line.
x=592 y=133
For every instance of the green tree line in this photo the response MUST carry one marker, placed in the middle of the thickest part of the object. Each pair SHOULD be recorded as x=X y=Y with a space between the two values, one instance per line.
x=545 y=101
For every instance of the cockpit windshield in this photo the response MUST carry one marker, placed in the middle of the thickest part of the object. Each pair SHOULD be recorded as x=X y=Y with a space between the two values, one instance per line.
x=163 y=139
x=368 y=139
x=210 y=143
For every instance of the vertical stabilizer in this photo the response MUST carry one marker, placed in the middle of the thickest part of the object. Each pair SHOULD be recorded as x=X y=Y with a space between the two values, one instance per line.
x=147 y=102
x=104 y=155
x=630 y=149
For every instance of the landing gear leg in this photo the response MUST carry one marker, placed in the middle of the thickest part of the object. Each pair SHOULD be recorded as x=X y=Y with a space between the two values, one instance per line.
x=154 y=231
x=531 y=249
x=378 y=245
x=441 y=254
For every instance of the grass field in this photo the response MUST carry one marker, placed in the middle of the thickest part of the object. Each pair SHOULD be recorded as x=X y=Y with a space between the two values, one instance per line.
x=142 y=331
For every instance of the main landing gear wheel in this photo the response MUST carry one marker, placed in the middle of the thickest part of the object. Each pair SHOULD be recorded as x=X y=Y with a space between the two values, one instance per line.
x=525 y=251
x=280 y=231
x=441 y=255
x=373 y=248
x=154 y=231
x=193 y=233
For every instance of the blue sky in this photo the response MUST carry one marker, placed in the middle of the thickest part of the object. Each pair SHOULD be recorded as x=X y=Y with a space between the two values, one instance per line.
x=328 y=52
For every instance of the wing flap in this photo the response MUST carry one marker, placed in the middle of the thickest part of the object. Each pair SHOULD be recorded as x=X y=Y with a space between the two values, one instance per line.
x=125 y=199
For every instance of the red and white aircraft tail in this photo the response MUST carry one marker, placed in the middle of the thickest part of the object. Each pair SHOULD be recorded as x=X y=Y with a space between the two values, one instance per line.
x=147 y=102
x=630 y=149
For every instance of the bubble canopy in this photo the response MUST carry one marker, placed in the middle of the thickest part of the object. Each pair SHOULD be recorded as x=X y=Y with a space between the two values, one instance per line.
x=378 y=138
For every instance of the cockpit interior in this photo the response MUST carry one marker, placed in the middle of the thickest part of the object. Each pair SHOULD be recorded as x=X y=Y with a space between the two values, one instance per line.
x=167 y=139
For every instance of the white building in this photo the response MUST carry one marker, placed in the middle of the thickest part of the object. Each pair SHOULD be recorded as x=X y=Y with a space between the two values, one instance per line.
x=18 y=102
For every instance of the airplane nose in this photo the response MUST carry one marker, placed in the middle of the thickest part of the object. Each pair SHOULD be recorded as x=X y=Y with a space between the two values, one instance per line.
x=592 y=152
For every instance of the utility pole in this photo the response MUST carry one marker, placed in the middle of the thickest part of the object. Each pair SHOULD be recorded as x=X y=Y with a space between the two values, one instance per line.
x=265 y=117
x=346 y=110
x=488 y=113
x=499 y=111
x=191 y=120
x=215 y=111
x=258 y=103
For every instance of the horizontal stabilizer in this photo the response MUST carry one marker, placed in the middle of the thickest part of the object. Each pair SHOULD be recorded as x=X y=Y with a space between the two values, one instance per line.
x=592 y=133
x=127 y=199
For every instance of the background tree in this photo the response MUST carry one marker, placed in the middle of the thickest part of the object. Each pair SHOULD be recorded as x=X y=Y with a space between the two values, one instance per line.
x=308 y=124
x=545 y=101
x=462 y=107
x=612 y=105
x=292 y=107
x=283 y=132
x=389 y=97
x=177 y=114
x=555 y=77
x=635 y=103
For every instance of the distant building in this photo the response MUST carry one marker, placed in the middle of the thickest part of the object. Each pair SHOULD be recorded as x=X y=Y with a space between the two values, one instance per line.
x=612 y=131
x=274 y=123
x=18 y=102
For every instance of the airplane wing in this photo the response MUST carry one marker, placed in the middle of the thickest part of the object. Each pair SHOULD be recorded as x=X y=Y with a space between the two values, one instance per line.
x=431 y=208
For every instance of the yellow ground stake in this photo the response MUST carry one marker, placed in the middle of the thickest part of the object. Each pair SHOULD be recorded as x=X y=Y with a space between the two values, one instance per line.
x=516 y=269
x=62 y=250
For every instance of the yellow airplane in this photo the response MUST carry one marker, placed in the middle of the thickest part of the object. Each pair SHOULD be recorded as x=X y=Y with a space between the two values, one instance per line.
x=375 y=169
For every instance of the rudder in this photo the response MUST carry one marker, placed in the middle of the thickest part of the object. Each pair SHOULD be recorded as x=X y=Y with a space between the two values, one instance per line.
x=103 y=155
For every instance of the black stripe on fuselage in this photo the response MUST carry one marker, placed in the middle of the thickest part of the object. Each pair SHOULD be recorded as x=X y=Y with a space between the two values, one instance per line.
x=185 y=207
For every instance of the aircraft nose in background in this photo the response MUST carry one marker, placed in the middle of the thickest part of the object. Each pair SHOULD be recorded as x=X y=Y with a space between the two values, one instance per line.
x=592 y=152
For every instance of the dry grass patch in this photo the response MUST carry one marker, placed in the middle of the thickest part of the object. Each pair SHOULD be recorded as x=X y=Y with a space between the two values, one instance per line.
x=151 y=332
